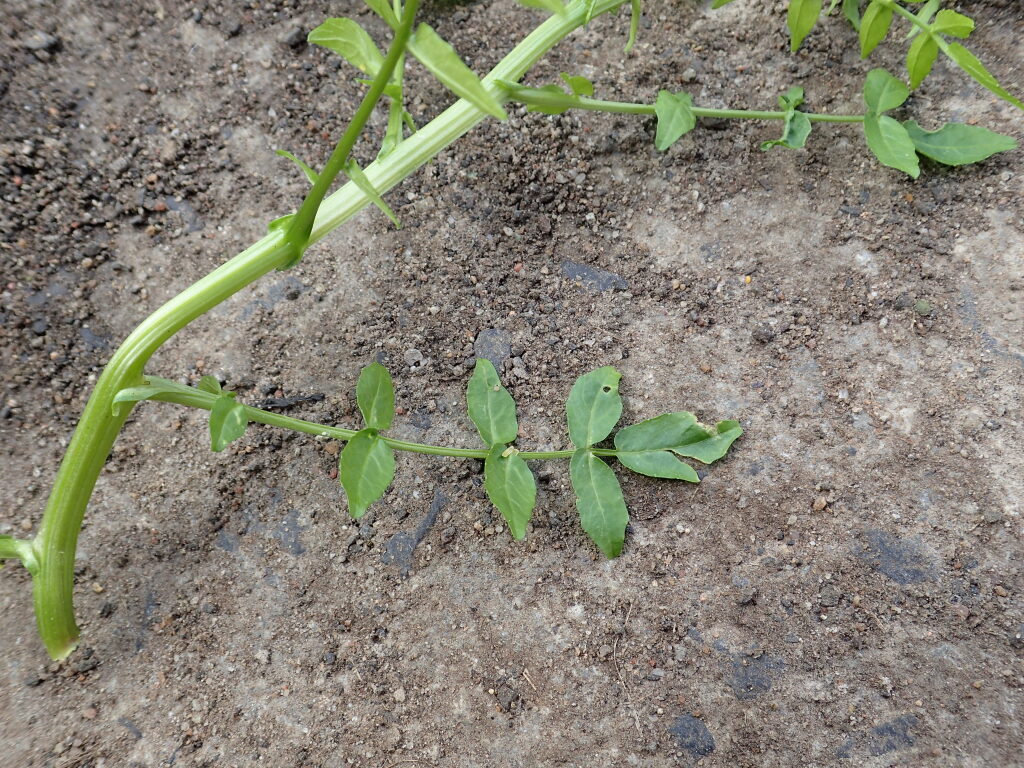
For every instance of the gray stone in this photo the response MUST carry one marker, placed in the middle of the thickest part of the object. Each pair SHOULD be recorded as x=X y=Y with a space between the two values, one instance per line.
x=692 y=736
x=593 y=279
x=902 y=560
x=493 y=345
x=880 y=740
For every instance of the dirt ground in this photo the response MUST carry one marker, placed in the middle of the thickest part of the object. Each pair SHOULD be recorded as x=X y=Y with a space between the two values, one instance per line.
x=843 y=589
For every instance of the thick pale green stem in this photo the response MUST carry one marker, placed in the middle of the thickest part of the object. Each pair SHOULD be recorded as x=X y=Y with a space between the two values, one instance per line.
x=55 y=544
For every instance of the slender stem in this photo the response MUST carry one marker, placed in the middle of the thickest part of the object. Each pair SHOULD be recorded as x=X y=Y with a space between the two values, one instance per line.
x=205 y=401
x=21 y=549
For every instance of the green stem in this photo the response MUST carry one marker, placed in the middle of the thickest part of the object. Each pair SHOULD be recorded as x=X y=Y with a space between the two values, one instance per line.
x=205 y=401
x=55 y=544
x=20 y=549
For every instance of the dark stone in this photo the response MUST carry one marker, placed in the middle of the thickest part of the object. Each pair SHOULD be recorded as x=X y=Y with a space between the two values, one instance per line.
x=33 y=681
x=880 y=740
x=295 y=38
x=902 y=560
x=593 y=279
x=40 y=327
x=763 y=334
x=1017 y=638
x=692 y=736
x=493 y=345
x=752 y=676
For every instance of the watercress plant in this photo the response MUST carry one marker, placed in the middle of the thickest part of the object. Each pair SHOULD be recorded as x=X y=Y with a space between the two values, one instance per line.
x=593 y=408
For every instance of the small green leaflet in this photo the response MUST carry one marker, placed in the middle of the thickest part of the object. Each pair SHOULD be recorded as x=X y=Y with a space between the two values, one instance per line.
x=309 y=172
x=209 y=384
x=490 y=406
x=511 y=488
x=366 y=468
x=657 y=464
x=680 y=433
x=883 y=92
x=874 y=26
x=227 y=421
x=796 y=126
x=851 y=10
x=801 y=17
x=599 y=501
x=970 y=64
x=891 y=144
x=383 y=9
x=924 y=15
x=594 y=406
x=444 y=63
x=920 y=58
x=578 y=84
x=949 y=22
x=957 y=143
x=360 y=179
x=552 y=6
x=375 y=395
x=675 y=118
x=350 y=41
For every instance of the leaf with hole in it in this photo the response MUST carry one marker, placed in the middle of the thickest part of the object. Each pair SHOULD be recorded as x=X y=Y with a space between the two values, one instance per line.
x=366 y=468
x=383 y=9
x=949 y=22
x=594 y=406
x=796 y=126
x=579 y=85
x=361 y=180
x=551 y=6
x=883 y=92
x=511 y=488
x=227 y=421
x=306 y=170
x=350 y=41
x=599 y=501
x=680 y=433
x=874 y=26
x=958 y=143
x=920 y=59
x=444 y=63
x=969 y=63
x=375 y=396
x=657 y=464
x=801 y=17
x=490 y=406
x=675 y=118
x=891 y=144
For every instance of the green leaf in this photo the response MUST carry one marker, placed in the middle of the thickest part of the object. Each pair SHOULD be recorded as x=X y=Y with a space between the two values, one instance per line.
x=883 y=92
x=366 y=468
x=361 y=180
x=599 y=501
x=957 y=143
x=851 y=10
x=579 y=85
x=874 y=26
x=490 y=406
x=350 y=41
x=680 y=433
x=796 y=126
x=152 y=387
x=675 y=118
x=949 y=22
x=309 y=172
x=970 y=64
x=396 y=116
x=375 y=395
x=594 y=406
x=227 y=421
x=658 y=464
x=444 y=63
x=552 y=6
x=801 y=17
x=210 y=384
x=720 y=3
x=924 y=16
x=383 y=9
x=891 y=144
x=635 y=10
x=511 y=488
x=920 y=58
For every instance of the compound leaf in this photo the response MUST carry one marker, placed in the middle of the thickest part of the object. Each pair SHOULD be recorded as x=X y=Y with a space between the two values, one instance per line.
x=675 y=118
x=599 y=501
x=511 y=488
x=350 y=41
x=958 y=143
x=594 y=406
x=970 y=64
x=444 y=63
x=490 y=406
x=366 y=468
x=227 y=421
x=801 y=17
x=375 y=396
x=657 y=464
x=891 y=144
x=874 y=26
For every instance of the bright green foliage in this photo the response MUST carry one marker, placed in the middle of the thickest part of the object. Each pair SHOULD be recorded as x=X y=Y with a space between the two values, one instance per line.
x=350 y=41
x=551 y=6
x=511 y=488
x=920 y=58
x=874 y=26
x=578 y=84
x=375 y=396
x=801 y=17
x=490 y=406
x=970 y=64
x=657 y=464
x=227 y=421
x=886 y=138
x=209 y=384
x=796 y=126
x=958 y=143
x=851 y=10
x=949 y=22
x=599 y=501
x=366 y=468
x=383 y=9
x=444 y=63
x=924 y=15
x=309 y=173
x=594 y=406
x=883 y=92
x=675 y=118
x=680 y=433
x=354 y=172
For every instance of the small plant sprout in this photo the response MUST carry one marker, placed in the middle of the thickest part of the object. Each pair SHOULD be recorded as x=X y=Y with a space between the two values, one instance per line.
x=593 y=407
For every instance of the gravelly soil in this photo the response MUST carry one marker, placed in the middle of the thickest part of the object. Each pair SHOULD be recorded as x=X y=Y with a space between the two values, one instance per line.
x=843 y=589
